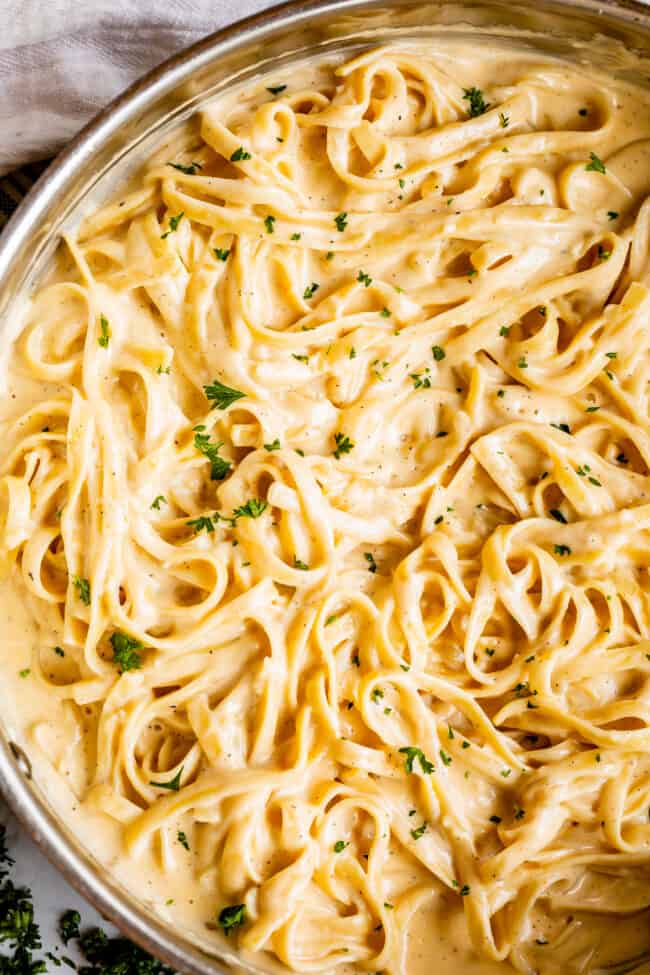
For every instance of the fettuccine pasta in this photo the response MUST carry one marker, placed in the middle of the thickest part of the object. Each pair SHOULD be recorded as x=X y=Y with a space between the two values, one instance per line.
x=326 y=481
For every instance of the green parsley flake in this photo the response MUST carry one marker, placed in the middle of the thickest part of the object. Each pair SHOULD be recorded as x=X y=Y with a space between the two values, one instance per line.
x=477 y=104
x=412 y=754
x=218 y=466
x=83 y=589
x=343 y=444
x=595 y=165
x=562 y=550
x=420 y=380
x=173 y=785
x=182 y=839
x=364 y=279
x=157 y=501
x=221 y=255
x=438 y=352
x=240 y=155
x=173 y=224
x=275 y=445
x=311 y=290
x=420 y=831
x=231 y=918
x=203 y=523
x=370 y=559
x=269 y=223
x=125 y=652
x=252 y=509
x=340 y=845
x=275 y=89
x=503 y=120
x=190 y=170
x=341 y=221
x=105 y=336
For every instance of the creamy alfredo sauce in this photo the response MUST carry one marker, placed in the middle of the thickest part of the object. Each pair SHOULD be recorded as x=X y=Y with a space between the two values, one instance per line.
x=325 y=521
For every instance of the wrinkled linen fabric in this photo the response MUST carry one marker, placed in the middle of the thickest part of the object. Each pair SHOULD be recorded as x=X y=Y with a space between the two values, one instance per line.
x=61 y=61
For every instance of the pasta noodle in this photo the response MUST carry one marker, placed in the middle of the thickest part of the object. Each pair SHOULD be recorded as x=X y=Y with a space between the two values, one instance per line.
x=326 y=479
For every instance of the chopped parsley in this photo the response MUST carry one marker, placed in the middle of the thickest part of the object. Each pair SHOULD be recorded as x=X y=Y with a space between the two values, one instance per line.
x=221 y=255
x=522 y=364
x=555 y=513
x=385 y=313
x=562 y=550
x=370 y=559
x=190 y=170
x=310 y=290
x=69 y=926
x=24 y=673
x=343 y=444
x=612 y=214
x=495 y=819
x=592 y=409
x=182 y=839
x=173 y=785
x=269 y=223
x=59 y=651
x=340 y=845
x=83 y=589
x=221 y=396
x=564 y=427
x=341 y=221
x=476 y=102
x=420 y=380
x=296 y=236
x=465 y=890
x=595 y=165
x=202 y=523
x=105 y=336
x=252 y=509
x=125 y=652
x=218 y=466
x=503 y=120
x=504 y=331
x=446 y=759
x=364 y=279
x=416 y=753
x=275 y=445
x=173 y=224
x=438 y=352
x=231 y=918
x=377 y=695
x=157 y=501
x=240 y=155
x=297 y=564
x=420 y=831
x=275 y=89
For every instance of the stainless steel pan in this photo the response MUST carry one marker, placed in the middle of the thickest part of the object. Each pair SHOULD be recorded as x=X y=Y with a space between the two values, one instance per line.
x=613 y=34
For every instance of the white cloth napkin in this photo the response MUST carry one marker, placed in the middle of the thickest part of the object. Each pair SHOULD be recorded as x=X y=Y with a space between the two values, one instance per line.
x=63 y=60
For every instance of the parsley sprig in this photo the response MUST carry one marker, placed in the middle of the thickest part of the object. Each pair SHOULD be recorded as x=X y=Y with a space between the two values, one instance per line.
x=219 y=467
x=221 y=396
